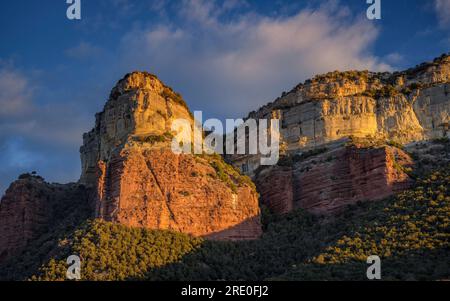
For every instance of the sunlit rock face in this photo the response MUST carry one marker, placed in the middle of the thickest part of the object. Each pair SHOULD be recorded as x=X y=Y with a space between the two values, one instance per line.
x=140 y=106
x=406 y=106
x=140 y=182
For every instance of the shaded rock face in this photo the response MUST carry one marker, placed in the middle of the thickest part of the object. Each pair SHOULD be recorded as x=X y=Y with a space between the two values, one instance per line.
x=328 y=182
x=32 y=207
x=140 y=182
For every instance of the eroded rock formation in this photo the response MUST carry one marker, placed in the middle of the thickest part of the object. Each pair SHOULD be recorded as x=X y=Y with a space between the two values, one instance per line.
x=140 y=182
x=131 y=176
x=400 y=107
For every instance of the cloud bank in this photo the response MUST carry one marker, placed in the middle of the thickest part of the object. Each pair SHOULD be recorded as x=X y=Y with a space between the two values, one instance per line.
x=230 y=67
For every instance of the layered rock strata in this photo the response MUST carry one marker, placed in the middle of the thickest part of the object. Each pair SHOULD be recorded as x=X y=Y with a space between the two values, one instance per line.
x=407 y=106
x=328 y=182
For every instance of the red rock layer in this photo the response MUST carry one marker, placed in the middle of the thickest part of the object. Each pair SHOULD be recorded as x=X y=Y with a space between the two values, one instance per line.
x=328 y=182
x=276 y=190
x=157 y=189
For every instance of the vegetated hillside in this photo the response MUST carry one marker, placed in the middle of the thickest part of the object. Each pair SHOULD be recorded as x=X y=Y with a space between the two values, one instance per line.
x=410 y=232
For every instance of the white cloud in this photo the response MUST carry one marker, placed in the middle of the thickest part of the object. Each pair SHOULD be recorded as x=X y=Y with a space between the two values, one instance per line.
x=233 y=66
x=443 y=11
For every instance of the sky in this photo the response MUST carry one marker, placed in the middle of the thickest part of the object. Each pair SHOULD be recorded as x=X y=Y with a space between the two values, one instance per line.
x=226 y=58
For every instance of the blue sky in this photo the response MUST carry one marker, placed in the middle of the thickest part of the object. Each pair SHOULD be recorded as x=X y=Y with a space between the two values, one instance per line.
x=225 y=57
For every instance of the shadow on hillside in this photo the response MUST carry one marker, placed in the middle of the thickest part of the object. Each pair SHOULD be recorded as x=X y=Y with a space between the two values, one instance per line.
x=292 y=240
x=69 y=214
x=277 y=259
x=247 y=230
x=288 y=240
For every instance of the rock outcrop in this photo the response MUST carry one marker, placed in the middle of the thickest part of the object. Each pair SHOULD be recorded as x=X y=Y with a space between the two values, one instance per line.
x=140 y=182
x=327 y=182
x=140 y=107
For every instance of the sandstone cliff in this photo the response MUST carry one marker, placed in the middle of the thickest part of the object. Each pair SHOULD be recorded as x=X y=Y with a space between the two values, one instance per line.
x=332 y=179
x=131 y=176
x=403 y=106
x=140 y=182
x=140 y=107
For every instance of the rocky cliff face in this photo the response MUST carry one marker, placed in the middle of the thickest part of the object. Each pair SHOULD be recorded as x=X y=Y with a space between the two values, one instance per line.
x=131 y=176
x=404 y=106
x=328 y=182
x=140 y=107
x=140 y=182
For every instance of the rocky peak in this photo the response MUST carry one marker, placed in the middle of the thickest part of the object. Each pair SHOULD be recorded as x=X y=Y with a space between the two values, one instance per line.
x=145 y=81
x=140 y=108
x=138 y=180
x=137 y=80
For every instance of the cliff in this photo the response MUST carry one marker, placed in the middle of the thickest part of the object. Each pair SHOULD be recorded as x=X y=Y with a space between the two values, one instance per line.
x=131 y=176
x=319 y=116
x=333 y=179
x=140 y=182
x=403 y=106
